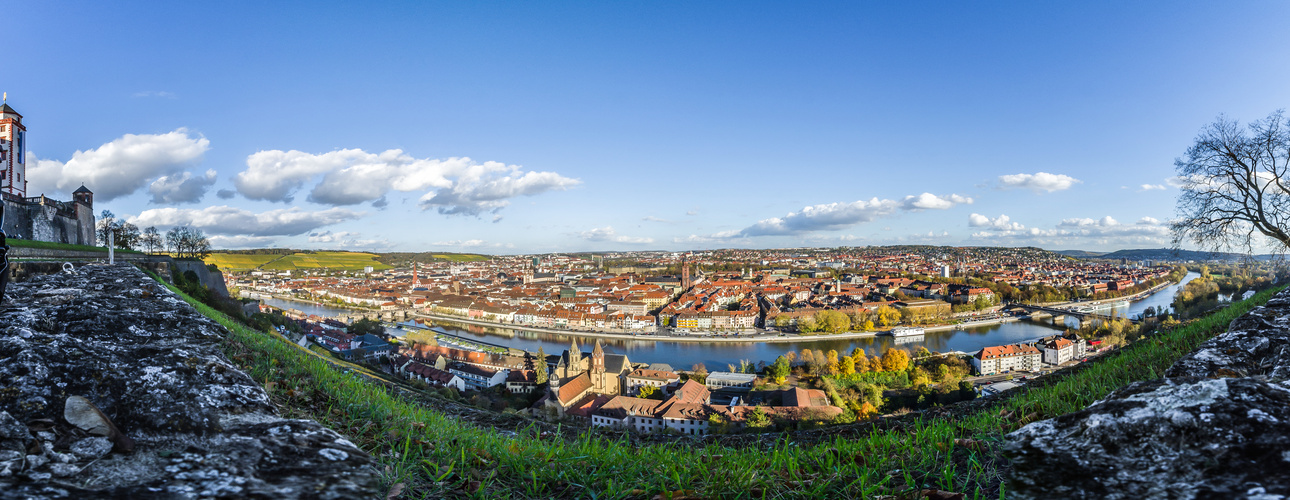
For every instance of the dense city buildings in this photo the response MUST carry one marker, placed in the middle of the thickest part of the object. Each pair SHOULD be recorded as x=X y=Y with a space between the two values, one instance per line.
x=727 y=291
x=718 y=293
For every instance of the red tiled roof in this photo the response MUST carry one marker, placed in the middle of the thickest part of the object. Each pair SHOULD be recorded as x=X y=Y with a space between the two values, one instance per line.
x=574 y=387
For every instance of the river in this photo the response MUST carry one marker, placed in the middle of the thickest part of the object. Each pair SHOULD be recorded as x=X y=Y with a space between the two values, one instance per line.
x=683 y=355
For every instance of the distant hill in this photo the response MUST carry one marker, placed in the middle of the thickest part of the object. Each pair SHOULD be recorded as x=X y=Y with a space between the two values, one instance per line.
x=1080 y=254
x=1162 y=254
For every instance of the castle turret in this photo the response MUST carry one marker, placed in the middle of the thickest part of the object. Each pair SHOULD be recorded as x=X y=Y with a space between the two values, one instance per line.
x=84 y=196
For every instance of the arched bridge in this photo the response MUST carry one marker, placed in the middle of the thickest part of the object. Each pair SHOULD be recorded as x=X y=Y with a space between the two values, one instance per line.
x=1058 y=312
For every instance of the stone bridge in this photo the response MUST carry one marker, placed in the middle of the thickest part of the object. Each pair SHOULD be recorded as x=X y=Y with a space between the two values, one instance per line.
x=1059 y=314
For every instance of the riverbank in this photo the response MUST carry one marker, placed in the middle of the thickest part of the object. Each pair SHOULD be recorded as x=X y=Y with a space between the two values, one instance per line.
x=289 y=298
x=754 y=338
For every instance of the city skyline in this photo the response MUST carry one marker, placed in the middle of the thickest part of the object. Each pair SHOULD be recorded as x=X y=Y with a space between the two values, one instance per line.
x=526 y=129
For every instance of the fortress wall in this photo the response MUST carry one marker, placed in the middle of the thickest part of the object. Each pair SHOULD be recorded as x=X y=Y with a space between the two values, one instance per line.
x=30 y=221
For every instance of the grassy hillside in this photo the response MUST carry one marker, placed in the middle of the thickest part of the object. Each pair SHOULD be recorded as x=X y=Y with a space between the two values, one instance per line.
x=338 y=261
x=239 y=262
x=427 y=454
x=405 y=258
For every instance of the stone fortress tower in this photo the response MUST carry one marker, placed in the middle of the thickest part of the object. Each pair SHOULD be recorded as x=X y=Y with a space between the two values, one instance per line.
x=37 y=218
x=13 y=152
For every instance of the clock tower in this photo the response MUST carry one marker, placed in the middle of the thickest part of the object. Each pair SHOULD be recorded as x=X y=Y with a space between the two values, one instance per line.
x=13 y=152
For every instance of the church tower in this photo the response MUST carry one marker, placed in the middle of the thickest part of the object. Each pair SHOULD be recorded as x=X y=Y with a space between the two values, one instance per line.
x=13 y=152
x=598 y=358
x=685 y=272
x=575 y=358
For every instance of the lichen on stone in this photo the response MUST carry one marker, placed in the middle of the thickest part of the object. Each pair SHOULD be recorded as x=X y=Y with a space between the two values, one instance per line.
x=152 y=365
x=1215 y=427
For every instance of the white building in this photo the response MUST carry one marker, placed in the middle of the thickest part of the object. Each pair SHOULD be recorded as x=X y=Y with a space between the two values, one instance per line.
x=13 y=152
x=999 y=359
x=730 y=381
x=478 y=378
x=1062 y=350
x=641 y=377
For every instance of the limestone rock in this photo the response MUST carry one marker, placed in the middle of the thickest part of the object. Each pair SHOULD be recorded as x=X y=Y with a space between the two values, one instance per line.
x=91 y=447
x=80 y=350
x=11 y=429
x=1217 y=427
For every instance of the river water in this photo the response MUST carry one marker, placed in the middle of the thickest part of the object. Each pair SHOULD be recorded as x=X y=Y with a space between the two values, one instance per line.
x=683 y=355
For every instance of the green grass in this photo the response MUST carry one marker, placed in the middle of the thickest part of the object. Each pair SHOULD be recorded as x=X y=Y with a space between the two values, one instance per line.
x=435 y=456
x=339 y=261
x=47 y=245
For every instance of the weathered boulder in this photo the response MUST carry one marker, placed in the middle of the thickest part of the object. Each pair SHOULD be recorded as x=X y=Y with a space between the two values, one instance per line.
x=133 y=357
x=1218 y=426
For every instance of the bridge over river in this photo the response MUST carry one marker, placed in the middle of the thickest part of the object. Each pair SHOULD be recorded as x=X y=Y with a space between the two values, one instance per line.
x=1059 y=312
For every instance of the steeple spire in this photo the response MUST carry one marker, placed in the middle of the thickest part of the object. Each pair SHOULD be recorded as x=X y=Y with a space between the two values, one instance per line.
x=575 y=355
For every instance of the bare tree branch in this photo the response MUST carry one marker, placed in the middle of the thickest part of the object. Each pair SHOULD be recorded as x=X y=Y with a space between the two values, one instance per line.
x=1234 y=186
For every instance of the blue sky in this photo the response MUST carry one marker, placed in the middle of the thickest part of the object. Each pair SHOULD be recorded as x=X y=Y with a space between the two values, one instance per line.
x=546 y=127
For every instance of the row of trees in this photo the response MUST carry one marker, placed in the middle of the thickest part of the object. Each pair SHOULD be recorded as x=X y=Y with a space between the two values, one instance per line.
x=884 y=316
x=182 y=241
x=820 y=363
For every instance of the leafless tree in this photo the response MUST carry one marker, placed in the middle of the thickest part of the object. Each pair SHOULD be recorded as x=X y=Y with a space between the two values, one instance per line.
x=1235 y=186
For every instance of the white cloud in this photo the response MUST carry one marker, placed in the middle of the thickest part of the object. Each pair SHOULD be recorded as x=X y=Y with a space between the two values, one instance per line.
x=472 y=244
x=1085 y=222
x=1001 y=222
x=839 y=215
x=475 y=196
x=1152 y=187
x=122 y=166
x=241 y=241
x=352 y=176
x=651 y=218
x=330 y=237
x=226 y=220
x=348 y=240
x=1042 y=181
x=607 y=233
x=183 y=187
x=1105 y=232
x=930 y=201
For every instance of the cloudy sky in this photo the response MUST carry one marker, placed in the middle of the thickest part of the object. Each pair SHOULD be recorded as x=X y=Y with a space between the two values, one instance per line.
x=543 y=126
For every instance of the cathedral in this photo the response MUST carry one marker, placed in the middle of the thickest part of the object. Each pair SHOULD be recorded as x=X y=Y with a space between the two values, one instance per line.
x=578 y=376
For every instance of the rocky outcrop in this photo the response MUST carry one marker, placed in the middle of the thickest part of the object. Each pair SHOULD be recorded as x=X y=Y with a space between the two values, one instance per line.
x=212 y=280
x=1218 y=426
x=113 y=387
